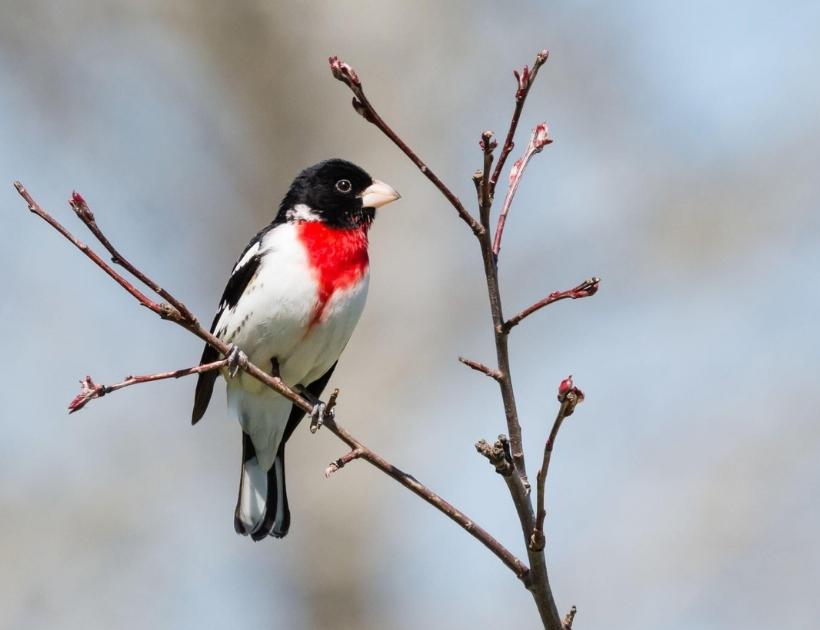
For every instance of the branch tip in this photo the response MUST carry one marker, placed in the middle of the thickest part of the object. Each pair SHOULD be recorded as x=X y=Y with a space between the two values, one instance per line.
x=569 y=395
x=480 y=367
x=538 y=140
x=344 y=72
x=345 y=459
x=347 y=75
x=587 y=288
x=498 y=454
x=570 y=618
x=524 y=81
x=89 y=390
x=487 y=143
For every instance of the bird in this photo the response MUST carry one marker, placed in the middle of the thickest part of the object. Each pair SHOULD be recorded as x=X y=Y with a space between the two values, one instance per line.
x=290 y=305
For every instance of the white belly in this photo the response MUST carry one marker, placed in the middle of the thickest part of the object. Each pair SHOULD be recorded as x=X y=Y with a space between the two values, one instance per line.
x=274 y=318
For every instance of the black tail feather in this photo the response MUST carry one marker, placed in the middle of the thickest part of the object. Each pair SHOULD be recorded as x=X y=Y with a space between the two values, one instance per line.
x=277 y=511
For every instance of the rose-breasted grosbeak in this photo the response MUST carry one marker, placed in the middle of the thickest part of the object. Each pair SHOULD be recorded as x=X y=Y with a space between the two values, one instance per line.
x=291 y=303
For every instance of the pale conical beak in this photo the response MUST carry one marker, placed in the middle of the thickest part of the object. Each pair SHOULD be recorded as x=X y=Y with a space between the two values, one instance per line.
x=378 y=194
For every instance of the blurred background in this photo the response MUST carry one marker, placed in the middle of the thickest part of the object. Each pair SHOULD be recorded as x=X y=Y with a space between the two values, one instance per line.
x=683 y=492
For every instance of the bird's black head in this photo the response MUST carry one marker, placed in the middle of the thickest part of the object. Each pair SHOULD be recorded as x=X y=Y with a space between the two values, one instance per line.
x=336 y=192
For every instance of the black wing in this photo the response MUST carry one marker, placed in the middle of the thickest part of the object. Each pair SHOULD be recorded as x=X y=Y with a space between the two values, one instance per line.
x=237 y=283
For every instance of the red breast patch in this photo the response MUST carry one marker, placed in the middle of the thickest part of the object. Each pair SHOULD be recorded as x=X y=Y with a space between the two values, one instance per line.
x=338 y=258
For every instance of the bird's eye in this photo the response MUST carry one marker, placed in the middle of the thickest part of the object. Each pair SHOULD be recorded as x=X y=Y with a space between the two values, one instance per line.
x=344 y=186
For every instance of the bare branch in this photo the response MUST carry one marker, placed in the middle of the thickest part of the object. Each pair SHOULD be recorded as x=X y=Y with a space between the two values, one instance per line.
x=569 y=396
x=80 y=207
x=91 y=390
x=33 y=206
x=454 y=514
x=485 y=199
x=480 y=367
x=586 y=289
x=538 y=140
x=347 y=75
x=356 y=453
x=540 y=585
x=525 y=80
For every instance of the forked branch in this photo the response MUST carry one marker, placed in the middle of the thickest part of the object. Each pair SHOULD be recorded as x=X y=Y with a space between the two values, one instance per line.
x=524 y=79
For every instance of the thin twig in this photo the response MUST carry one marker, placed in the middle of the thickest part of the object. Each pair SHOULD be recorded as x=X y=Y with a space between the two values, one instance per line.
x=80 y=207
x=570 y=618
x=480 y=367
x=525 y=80
x=485 y=199
x=34 y=207
x=585 y=289
x=274 y=382
x=345 y=459
x=569 y=396
x=538 y=140
x=91 y=390
x=347 y=75
x=164 y=310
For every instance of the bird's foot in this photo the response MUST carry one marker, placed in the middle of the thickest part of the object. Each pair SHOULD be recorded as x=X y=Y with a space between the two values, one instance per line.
x=236 y=360
x=317 y=416
x=321 y=412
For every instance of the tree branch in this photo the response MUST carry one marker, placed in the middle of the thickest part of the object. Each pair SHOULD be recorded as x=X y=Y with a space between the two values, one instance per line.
x=412 y=484
x=82 y=210
x=539 y=139
x=585 y=289
x=480 y=367
x=91 y=390
x=569 y=396
x=33 y=206
x=570 y=618
x=525 y=80
x=485 y=199
x=347 y=75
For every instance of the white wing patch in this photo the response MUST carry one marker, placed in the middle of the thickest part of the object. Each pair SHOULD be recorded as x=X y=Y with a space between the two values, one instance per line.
x=252 y=250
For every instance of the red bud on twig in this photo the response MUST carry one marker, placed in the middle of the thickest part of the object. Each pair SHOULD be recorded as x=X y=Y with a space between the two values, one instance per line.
x=89 y=390
x=569 y=395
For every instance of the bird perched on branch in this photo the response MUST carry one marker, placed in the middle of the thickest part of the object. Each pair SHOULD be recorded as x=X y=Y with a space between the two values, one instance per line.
x=290 y=306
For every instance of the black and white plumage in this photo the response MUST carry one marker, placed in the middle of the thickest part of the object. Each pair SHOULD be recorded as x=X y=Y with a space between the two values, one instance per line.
x=293 y=298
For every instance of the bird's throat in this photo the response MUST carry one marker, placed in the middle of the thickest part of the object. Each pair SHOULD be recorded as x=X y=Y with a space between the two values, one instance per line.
x=337 y=257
